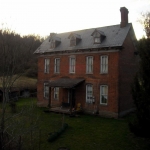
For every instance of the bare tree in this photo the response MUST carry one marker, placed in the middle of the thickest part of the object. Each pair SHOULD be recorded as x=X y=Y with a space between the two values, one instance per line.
x=15 y=53
x=145 y=21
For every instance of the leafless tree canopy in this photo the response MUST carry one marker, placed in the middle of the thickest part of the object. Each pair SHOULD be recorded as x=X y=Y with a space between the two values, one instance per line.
x=145 y=21
x=16 y=57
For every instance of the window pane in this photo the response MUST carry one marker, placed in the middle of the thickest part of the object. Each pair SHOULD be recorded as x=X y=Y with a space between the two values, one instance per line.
x=97 y=40
x=103 y=94
x=104 y=64
x=89 y=93
x=89 y=64
x=46 y=66
x=46 y=91
x=56 y=93
x=72 y=65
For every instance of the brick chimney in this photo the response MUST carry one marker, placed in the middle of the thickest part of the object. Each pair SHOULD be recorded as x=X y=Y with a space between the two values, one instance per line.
x=124 y=16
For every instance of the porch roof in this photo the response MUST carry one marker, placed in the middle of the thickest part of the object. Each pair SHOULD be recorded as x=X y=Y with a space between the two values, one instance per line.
x=65 y=82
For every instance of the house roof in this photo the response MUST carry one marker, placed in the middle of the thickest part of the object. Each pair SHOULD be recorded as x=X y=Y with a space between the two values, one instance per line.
x=65 y=82
x=115 y=36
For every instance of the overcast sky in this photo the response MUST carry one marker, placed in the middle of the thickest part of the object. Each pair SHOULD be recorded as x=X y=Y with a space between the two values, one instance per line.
x=45 y=16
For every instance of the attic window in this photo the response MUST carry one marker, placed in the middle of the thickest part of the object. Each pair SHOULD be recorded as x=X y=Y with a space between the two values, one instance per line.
x=98 y=36
x=54 y=40
x=52 y=45
x=74 y=39
x=97 y=39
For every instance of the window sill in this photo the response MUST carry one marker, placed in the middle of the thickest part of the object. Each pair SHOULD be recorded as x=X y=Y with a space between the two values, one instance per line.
x=104 y=73
x=103 y=104
x=89 y=73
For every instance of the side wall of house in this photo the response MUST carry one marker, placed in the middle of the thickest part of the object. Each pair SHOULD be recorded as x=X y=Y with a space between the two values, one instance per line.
x=96 y=79
x=127 y=70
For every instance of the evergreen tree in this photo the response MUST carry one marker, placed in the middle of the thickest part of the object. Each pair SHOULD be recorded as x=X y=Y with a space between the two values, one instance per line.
x=141 y=89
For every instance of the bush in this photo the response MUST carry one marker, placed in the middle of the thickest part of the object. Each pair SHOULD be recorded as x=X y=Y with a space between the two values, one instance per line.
x=140 y=130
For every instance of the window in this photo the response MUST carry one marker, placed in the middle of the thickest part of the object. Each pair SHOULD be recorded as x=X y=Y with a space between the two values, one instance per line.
x=104 y=64
x=57 y=65
x=46 y=90
x=97 y=40
x=72 y=65
x=103 y=94
x=89 y=64
x=72 y=41
x=52 y=44
x=89 y=93
x=46 y=66
x=56 y=93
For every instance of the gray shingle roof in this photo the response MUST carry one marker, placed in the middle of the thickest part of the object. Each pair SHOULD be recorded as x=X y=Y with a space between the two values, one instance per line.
x=115 y=36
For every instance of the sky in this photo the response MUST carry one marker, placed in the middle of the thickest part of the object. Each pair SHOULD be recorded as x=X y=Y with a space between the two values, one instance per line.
x=45 y=16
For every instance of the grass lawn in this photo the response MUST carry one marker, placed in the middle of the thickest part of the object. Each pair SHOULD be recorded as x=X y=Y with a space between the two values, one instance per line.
x=84 y=132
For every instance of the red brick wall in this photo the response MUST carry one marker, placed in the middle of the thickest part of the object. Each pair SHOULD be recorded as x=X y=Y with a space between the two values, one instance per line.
x=127 y=69
x=97 y=79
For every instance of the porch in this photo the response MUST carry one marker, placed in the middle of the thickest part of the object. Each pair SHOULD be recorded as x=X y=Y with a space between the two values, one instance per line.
x=60 y=110
x=68 y=97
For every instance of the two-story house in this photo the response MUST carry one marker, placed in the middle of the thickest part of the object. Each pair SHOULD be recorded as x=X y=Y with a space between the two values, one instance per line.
x=94 y=67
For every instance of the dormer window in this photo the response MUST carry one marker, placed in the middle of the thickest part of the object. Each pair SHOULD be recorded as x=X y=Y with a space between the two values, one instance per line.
x=54 y=41
x=74 y=39
x=52 y=44
x=98 y=36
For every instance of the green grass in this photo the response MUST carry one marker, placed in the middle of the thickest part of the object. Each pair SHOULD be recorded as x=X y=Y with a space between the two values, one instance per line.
x=84 y=132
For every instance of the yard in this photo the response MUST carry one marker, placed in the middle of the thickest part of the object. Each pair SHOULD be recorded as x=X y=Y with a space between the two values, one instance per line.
x=85 y=132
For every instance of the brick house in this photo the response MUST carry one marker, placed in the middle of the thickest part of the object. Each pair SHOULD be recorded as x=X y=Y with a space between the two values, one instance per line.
x=94 y=67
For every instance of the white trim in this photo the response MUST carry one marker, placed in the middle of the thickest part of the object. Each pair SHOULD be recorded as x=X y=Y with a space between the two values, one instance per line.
x=104 y=94
x=46 y=65
x=72 y=65
x=46 y=91
x=104 y=64
x=56 y=93
x=89 y=93
x=89 y=65
x=57 y=65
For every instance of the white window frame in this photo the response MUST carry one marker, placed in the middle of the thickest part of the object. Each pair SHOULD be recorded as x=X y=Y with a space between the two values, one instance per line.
x=104 y=94
x=56 y=93
x=46 y=90
x=46 y=65
x=89 y=65
x=72 y=63
x=57 y=65
x=89 y=93
x=104 y=64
